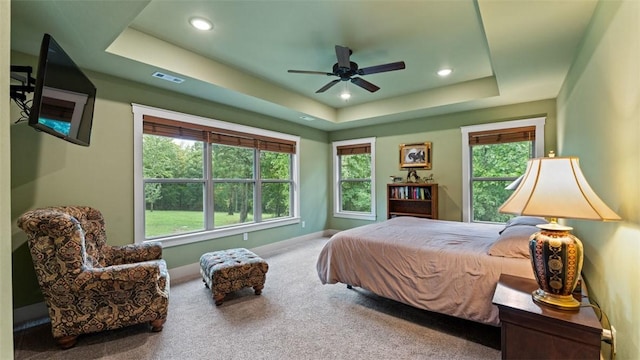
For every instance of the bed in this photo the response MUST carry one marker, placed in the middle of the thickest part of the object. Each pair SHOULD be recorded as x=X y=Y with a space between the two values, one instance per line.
x=442 y=266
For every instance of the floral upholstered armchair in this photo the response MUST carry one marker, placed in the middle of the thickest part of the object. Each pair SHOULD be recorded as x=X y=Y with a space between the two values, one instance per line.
x=89 y=286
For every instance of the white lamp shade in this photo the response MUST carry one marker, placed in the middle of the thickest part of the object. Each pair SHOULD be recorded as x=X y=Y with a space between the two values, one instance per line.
x=514 y=185
x=555 y=187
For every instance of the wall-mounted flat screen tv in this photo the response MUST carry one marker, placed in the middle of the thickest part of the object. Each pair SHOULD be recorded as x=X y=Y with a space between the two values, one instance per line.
x=63 y=97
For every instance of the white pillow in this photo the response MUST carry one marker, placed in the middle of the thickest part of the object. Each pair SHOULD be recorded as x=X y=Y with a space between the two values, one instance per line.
x=513 y=241
x=523 y=220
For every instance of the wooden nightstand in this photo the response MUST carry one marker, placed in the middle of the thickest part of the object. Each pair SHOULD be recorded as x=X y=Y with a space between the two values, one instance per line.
x=533 y=331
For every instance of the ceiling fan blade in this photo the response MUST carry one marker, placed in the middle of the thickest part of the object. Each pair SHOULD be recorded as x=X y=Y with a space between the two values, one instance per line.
x=343 y=53
x=326 y=87
x=309 y=72
x=365 y=84
x=399 y=65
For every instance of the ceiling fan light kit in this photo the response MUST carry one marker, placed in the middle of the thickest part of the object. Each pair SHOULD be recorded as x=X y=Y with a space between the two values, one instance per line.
x=347 y=70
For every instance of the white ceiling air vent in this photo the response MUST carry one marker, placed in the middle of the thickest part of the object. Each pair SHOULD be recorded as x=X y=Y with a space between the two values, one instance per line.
x=167 y=77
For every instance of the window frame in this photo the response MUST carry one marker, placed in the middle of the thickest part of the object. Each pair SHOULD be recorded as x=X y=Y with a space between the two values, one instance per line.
x=337 y=198
x=538 y=151
x=139 y=111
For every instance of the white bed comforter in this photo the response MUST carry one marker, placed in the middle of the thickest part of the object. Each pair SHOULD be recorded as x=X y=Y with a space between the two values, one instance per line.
x=441 y=266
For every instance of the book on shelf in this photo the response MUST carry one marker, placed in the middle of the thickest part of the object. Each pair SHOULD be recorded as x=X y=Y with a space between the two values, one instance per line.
x=410 y=192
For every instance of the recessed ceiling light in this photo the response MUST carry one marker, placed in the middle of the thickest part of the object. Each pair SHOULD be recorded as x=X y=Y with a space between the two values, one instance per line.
x=345 y=95
x=201 y=23
x=307 y=117
x=444 y=72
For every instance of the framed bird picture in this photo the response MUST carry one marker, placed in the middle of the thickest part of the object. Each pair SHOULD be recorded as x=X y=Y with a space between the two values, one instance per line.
x=416 y=156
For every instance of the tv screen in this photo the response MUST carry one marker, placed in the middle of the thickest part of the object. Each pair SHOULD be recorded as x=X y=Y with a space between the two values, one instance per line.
x=63 y=97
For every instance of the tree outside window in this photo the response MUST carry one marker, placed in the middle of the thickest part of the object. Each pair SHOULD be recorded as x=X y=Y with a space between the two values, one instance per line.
x=355 y=182
x=199 y=179
x=495 y=155
x=354 y=168
x=233 y=184
x=276 y=187
x=494 y=167
x=173 y=185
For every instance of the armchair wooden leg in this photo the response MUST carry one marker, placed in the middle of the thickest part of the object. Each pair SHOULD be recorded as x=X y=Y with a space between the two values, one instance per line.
x=156 y=325
x=258 y=289
x=67 y=342
x=218 y=298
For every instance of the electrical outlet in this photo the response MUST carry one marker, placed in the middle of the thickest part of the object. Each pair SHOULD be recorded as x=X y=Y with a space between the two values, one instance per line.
x=245 y=236
x=303 y=224
x=613 y=339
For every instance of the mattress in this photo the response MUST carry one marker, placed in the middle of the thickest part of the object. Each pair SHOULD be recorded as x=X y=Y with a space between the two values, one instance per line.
x=436 y=265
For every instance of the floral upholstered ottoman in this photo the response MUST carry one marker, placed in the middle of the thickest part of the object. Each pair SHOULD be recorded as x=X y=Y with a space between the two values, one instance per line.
x=226 y=271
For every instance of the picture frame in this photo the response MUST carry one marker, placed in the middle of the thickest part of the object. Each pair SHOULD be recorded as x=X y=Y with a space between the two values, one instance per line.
x=416 y=156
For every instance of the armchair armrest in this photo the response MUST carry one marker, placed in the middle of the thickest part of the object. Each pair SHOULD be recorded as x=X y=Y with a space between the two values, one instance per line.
x=147 y=272
x=134 y=253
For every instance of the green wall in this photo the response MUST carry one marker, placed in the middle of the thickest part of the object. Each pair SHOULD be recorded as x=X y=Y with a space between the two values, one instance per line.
x=446 y=137
x=47 y=171
x=599 y=121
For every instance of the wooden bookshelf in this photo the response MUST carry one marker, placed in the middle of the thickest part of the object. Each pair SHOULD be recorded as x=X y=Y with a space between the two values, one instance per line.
x=412 y=199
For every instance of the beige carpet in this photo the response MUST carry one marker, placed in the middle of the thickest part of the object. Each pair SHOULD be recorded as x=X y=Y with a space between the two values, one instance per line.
x=296 y=317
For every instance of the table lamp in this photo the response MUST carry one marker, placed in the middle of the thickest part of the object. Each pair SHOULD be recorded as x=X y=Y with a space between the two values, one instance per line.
x=554 y=187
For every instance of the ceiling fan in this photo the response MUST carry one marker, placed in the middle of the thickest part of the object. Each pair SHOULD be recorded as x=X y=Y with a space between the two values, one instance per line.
x=346 y=69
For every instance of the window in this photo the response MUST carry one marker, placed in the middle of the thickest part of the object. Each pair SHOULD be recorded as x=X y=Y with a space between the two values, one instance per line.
x=198 y=179
x=174 y=185
x=354 y=189
x=495 y=155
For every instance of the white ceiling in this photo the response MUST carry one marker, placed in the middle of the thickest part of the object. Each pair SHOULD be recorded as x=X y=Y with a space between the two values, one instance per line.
x=501 y=51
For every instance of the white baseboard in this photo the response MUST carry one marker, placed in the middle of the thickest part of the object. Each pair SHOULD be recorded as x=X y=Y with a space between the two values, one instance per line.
x=30 y=315
x=279 y=246
x=192 y=271
x=36 y=314
x=184 y=273
x=330 y=232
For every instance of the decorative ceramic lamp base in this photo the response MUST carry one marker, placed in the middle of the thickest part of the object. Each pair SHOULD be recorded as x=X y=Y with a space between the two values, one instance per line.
x=562 y=302
x=556 y=257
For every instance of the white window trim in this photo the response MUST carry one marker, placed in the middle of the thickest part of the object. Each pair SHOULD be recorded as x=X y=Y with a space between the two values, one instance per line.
x=138 y=181
x=466 y=152
x=336 y=181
